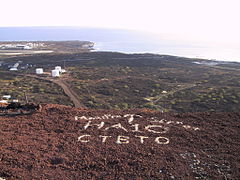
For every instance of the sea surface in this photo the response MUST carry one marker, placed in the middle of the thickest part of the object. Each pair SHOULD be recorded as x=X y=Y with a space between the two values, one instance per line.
x=125 y=41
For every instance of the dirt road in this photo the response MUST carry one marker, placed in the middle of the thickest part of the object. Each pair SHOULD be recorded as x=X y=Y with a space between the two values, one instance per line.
x=155 y=99
x=68 y=91
x=62 y=82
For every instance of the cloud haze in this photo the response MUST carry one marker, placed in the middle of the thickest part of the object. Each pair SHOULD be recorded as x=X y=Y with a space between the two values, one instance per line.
x=213 y=20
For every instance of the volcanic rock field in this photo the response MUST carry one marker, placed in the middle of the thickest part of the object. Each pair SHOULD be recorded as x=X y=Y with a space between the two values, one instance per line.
x=60 y=142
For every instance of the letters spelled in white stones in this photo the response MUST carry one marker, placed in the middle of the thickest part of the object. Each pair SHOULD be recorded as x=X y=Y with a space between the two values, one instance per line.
x=140 y=132
x=121 y=139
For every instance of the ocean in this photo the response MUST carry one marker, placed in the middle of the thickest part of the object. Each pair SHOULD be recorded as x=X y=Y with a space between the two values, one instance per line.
x=126 y=41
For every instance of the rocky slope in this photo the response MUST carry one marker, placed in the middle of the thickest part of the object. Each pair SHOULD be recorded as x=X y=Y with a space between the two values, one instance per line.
x=60 y=142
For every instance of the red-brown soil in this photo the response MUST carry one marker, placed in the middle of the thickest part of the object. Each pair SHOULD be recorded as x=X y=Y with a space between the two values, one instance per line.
x=58 y=142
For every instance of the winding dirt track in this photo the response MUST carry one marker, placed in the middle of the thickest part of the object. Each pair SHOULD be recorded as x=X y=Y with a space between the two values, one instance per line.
x=68 y=91
x=155 y=99
x=62 y=82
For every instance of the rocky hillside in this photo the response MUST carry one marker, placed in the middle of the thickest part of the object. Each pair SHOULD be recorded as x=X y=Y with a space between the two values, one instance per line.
x=60 y=142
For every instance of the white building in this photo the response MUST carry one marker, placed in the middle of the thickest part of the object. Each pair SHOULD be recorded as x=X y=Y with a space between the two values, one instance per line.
x=55 y=73
x=16 y=65
x=6 y=96
x=3 y=101
x=13 y=69
x=39 y=71
x=63 y=71
x=59 y=68
x=27 y=47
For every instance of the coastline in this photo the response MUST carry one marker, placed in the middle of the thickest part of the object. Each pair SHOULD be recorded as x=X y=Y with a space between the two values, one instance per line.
x=129 y=47
x=212 y=54
x=126 y=41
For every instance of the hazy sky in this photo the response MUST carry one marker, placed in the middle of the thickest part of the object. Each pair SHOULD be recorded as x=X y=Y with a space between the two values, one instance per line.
x=214 y=20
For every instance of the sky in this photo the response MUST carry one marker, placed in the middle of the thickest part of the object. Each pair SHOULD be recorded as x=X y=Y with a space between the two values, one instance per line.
x=205 y=20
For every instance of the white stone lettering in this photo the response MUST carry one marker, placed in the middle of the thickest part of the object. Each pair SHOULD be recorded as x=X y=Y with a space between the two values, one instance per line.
x=82 y=117
x=80 y=138
x=130 y=119
x=179 y=122
x=136 y=128
x=158 y=121
x=98 y=125
x=195 y=128
x=122 y=140
x=190 y=127
x=142 y=138
x=169 y=122
x=117 y=126
x=163 y=129
x=104 y=138
x=162 y=140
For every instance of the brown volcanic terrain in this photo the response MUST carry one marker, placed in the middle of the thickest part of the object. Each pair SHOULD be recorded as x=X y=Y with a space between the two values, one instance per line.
x=60 y=142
